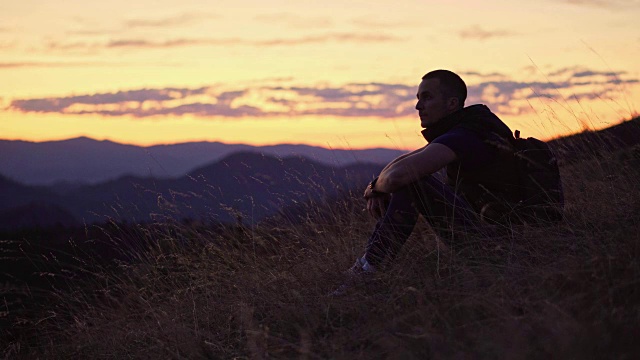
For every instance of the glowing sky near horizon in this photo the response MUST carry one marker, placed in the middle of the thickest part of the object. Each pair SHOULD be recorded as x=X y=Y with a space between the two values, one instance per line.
x=339 y=74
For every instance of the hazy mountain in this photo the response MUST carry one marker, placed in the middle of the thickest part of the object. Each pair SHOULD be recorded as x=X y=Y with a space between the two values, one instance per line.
x=247 y=186
x=87 y=161
x=75 y=160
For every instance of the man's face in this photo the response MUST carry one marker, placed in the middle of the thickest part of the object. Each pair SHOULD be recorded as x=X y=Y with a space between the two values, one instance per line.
x=431 y=105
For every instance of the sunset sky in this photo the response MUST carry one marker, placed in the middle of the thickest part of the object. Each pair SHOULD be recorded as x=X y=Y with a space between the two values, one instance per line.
x=340 y=74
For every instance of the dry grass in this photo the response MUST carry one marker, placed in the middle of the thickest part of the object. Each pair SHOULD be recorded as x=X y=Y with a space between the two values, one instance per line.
x=565 y=291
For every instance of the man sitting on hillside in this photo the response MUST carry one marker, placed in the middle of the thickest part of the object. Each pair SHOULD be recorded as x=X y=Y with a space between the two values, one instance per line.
x=478 y=183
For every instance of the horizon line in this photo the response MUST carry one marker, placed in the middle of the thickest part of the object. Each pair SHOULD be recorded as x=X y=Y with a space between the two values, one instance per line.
x=623 y=120
x=194 y=142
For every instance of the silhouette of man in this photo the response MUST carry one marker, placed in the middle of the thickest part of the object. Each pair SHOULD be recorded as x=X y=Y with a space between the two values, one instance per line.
x=476 y=182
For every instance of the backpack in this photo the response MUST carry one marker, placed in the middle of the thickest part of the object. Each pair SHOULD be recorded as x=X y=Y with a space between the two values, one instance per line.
x=535 y=186
x=540 y=185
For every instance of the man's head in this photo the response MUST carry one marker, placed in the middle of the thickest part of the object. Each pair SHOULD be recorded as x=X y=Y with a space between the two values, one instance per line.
x=440 y=93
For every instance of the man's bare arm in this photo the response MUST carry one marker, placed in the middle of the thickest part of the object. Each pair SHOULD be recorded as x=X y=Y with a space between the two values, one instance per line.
x=367 y=190
x=402 y=157
x=410 y=168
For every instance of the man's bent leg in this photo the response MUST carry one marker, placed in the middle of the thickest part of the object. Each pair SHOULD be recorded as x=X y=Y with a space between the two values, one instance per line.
x=447 y=212
x=393 y=229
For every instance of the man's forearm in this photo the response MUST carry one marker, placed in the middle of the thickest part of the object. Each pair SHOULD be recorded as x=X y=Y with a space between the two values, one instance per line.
x=400 y=158
x=389 y=165
x=389 y=179
x=413 y=167
x=393 y=175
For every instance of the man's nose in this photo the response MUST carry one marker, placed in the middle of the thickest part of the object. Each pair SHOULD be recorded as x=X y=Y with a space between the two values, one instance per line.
x=418 y=106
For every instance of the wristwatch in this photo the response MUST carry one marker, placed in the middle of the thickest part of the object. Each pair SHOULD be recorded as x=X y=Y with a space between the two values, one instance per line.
x=372 y=185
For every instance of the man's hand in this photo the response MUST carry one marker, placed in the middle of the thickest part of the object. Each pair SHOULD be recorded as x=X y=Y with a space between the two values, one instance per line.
x=368 y=193
x=377 y=201
x=377 y=204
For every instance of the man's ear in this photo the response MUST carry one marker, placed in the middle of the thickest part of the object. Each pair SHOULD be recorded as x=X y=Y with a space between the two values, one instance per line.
x=453 y=103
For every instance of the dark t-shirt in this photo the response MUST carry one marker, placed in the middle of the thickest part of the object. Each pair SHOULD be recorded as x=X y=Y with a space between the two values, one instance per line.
x=480 y=168
x=470 y=149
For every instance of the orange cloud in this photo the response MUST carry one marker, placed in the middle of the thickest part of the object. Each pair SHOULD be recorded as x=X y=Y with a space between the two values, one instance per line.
x=477 y=33
x=610 y=4
x=7 y=45
x=185 y=42
x=178 y=20
x=367 y=22
x=45 y=64
x=295 y=21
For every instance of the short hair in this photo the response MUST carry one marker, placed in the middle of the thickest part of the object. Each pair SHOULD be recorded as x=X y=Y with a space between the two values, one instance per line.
x=452 y=85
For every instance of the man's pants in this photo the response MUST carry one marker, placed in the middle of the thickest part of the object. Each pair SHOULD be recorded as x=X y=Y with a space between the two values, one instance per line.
x=448 y=213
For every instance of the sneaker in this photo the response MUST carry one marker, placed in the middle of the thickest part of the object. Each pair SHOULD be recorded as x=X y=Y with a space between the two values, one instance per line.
x=358 y=275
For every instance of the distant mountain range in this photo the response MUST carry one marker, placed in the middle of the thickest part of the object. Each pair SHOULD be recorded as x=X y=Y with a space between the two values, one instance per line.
x=245 y=187
x=88 y=161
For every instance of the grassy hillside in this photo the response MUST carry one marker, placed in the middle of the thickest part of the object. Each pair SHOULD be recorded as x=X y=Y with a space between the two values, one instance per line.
x=567 y=291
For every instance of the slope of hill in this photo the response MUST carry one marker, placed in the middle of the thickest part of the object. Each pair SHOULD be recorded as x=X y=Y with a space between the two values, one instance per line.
x=595 y=143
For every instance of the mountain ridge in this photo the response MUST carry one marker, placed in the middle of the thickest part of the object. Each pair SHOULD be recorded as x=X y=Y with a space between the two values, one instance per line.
x=85 y=160
x=249 y=183
x=254 y=185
